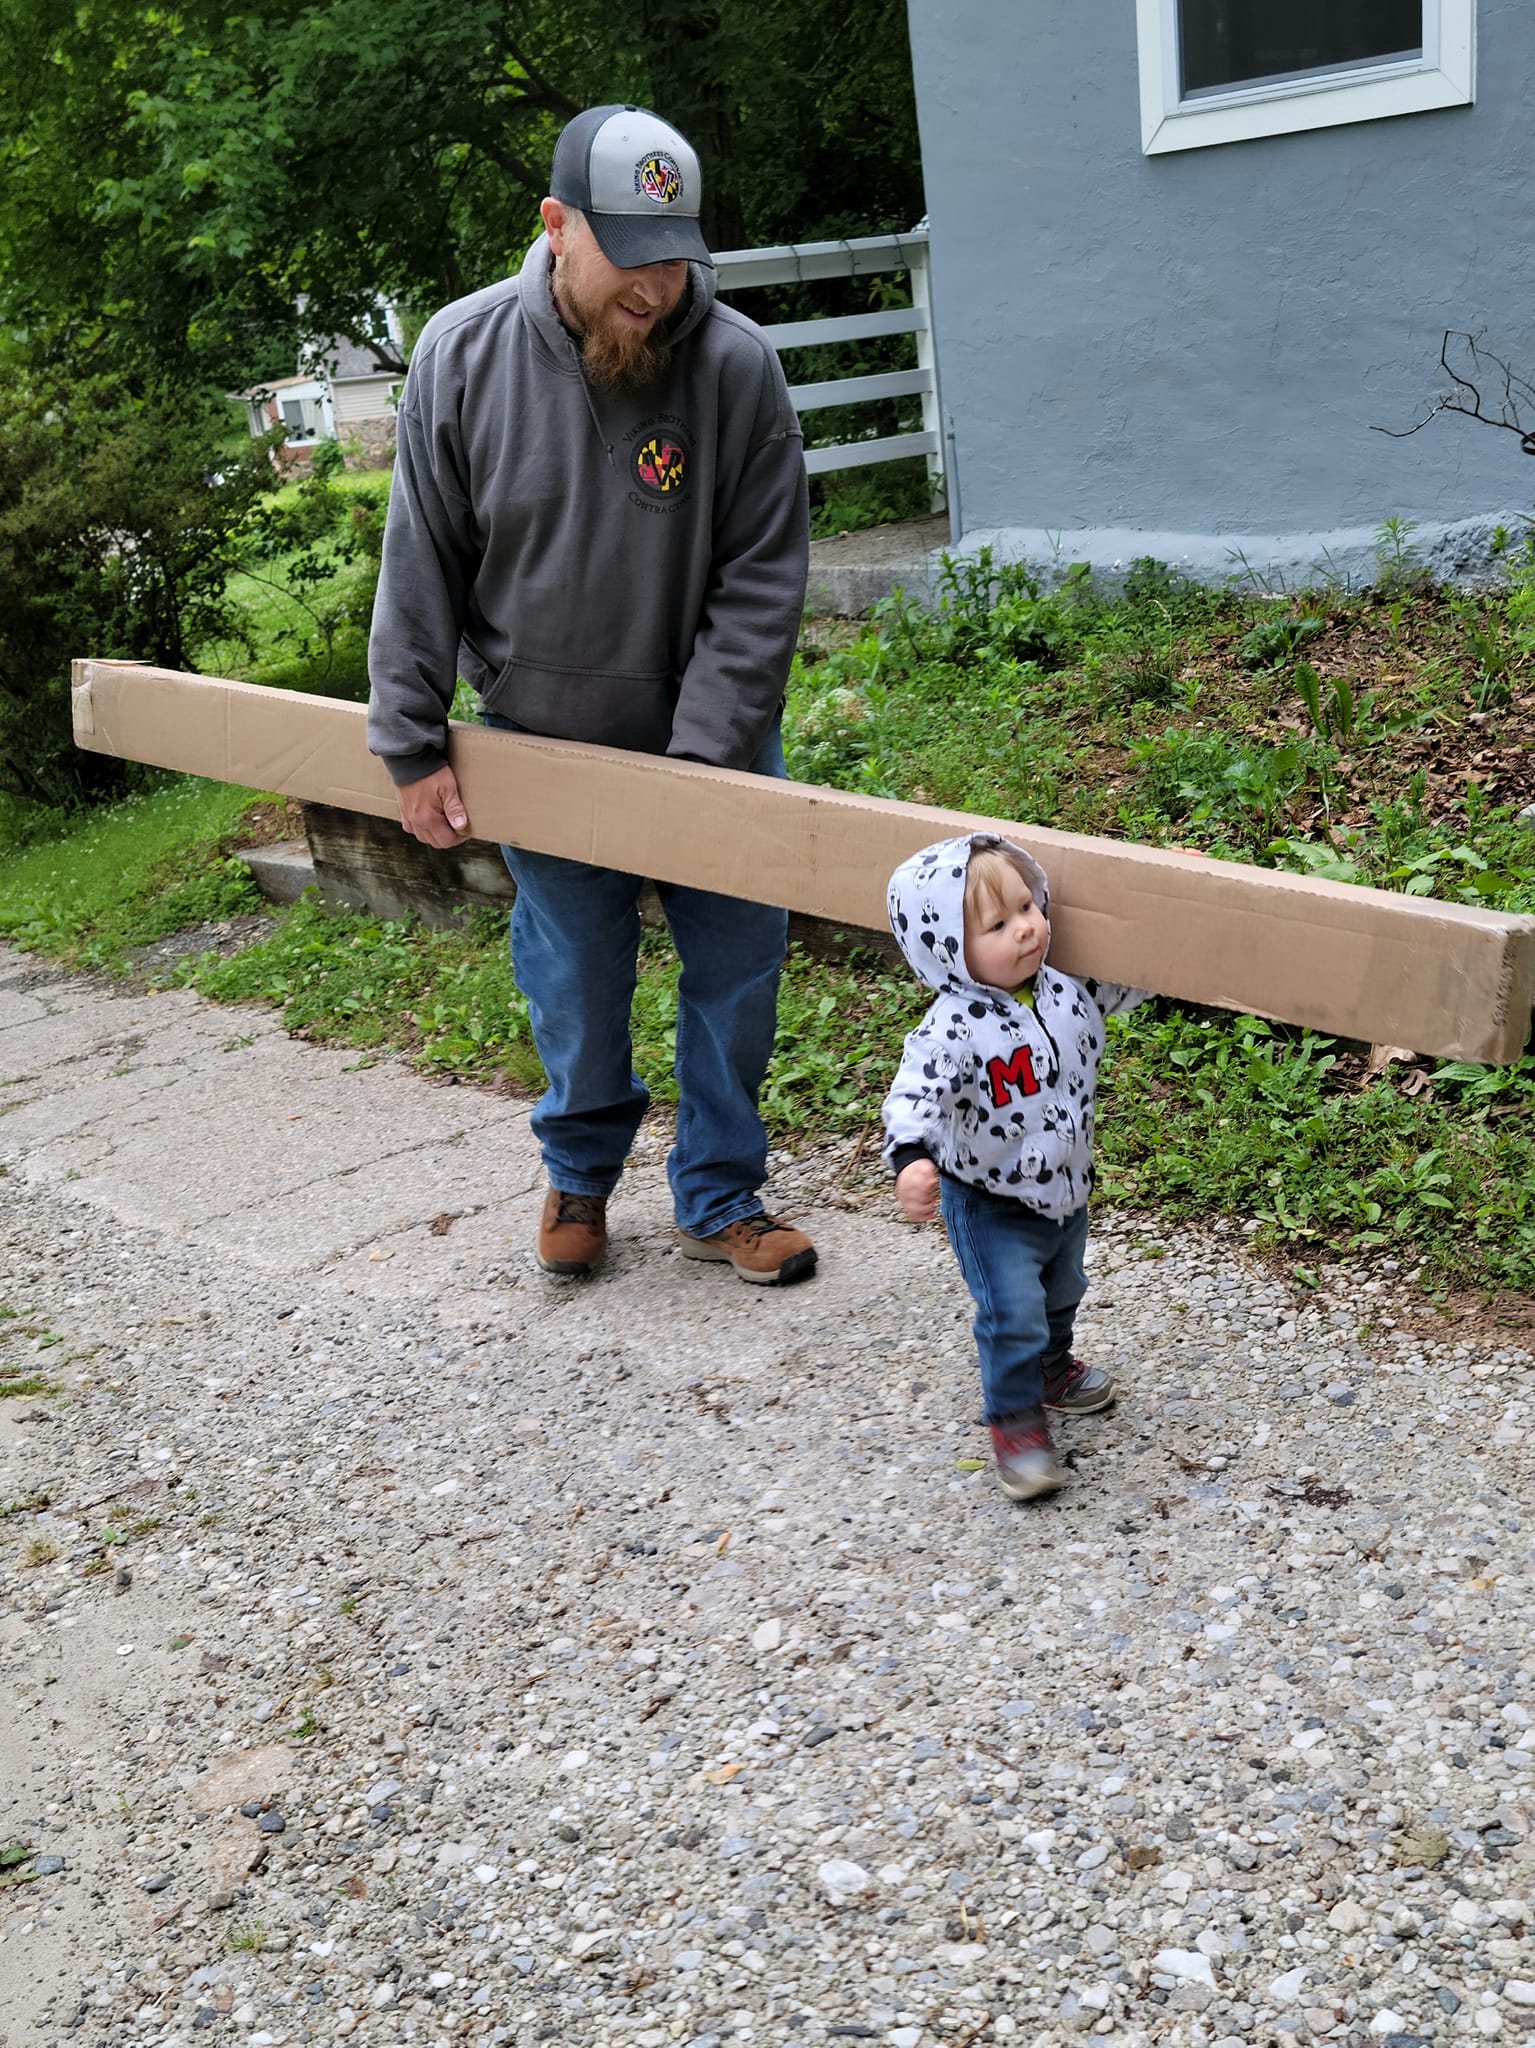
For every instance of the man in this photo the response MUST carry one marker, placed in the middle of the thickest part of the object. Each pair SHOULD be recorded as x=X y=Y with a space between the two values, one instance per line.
x=599 y=519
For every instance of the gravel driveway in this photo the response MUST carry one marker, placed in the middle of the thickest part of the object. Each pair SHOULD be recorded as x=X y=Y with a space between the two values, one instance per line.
x=400 y=1646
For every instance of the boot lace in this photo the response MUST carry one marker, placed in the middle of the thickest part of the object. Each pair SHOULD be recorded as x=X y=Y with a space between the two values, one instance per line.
x=759 y=1226
x=585 y=1209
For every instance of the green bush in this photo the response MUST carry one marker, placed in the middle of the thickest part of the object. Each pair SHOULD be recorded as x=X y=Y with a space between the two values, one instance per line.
x=327 y=460
x=851 y=501
x=119 y=519
x=307 y=571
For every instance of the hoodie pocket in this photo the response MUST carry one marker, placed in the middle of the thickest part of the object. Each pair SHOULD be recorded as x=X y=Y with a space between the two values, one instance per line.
x=608 y=710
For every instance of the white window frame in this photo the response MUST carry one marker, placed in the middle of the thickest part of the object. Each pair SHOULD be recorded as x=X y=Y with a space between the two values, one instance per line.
x=1443 y=76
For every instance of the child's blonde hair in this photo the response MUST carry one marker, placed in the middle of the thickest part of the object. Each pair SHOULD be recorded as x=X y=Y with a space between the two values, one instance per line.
x=990 y=871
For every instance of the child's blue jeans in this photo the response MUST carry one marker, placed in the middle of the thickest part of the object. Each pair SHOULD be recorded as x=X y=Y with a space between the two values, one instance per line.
x=1026 y=1276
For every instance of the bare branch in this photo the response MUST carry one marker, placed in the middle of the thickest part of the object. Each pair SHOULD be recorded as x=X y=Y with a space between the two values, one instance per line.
x=1512 y=409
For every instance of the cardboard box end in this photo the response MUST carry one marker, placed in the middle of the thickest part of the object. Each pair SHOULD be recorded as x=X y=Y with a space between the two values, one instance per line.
x=82 y=709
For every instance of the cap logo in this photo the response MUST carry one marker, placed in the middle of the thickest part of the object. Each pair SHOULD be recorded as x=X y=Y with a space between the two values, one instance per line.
x=658 y=178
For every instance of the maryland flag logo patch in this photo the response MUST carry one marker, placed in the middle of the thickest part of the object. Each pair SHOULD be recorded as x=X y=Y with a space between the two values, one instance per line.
x=658 y=178
x=661 y=466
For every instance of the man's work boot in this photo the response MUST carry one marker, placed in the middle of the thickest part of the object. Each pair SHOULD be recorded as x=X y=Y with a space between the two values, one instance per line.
x=572 y=1232
x=760 y=1248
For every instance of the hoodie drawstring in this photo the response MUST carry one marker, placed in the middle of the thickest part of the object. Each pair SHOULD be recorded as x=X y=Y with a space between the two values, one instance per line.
x=591 y=407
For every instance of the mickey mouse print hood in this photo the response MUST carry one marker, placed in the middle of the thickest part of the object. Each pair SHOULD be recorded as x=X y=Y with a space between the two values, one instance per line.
x=927 y=906
x=996 y=1092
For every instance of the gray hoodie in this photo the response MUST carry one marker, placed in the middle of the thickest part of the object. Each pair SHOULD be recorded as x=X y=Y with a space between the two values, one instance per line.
x=625 y=568
x=994 y=1091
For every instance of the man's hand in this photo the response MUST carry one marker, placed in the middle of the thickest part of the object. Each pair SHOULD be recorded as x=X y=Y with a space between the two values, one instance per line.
x=916 y=1189
x=433 y=810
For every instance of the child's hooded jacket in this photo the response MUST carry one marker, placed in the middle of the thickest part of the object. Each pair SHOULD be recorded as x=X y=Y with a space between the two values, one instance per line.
x=994 y=1091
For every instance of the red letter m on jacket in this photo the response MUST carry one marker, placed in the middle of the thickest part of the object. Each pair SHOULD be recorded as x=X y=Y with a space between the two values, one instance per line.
x=1018 y=1072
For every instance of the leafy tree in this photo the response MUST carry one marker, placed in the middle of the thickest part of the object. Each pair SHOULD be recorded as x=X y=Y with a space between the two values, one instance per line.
x=178 y=180
x=119 y=520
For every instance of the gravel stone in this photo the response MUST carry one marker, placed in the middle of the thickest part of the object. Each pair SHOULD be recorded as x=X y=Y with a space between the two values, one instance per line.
x=514 y=1620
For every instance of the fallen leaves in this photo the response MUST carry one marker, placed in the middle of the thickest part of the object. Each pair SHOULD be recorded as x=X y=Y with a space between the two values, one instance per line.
x=1421 y=1845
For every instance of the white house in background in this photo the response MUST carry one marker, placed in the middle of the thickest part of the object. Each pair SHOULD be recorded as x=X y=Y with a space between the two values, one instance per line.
x=301 y=405
x=340 y=394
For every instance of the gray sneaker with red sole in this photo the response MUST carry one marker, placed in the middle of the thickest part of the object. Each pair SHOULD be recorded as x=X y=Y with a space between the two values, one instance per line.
x=1075 y=1388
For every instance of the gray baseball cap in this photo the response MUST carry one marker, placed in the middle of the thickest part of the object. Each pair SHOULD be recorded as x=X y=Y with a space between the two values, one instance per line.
x=636 y=180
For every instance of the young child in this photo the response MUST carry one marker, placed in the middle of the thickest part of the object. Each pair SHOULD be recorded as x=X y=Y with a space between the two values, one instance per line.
x=991 y=1114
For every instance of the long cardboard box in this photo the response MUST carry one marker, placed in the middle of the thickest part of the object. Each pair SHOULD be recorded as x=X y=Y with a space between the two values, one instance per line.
x=1440 y=978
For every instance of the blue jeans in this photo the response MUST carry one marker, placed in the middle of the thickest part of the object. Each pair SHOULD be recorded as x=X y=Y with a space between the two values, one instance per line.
x=1025 y=1274
x=575 y=940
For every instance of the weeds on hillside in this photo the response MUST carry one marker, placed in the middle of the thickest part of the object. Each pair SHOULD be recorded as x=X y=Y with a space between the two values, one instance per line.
x=1165 y=713
x=1249 y=1118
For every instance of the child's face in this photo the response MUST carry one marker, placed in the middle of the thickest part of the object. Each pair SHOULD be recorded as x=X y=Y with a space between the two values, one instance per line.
x=1005 y=936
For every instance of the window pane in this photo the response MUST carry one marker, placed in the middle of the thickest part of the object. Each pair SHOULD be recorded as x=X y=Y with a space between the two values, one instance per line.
x=1237 y=42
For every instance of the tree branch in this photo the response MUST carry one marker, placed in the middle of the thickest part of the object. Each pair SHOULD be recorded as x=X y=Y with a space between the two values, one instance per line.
x=543 y=93
x=1515 y=409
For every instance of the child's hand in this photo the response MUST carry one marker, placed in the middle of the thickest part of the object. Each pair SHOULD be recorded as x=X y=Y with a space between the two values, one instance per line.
x=916 y=1189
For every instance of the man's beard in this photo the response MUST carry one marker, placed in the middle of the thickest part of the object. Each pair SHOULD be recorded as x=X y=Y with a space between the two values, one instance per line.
x=618 y=361
x=614 y=357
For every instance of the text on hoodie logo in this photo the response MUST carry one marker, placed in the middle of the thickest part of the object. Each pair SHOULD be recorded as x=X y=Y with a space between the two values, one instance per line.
x=1018 y=1072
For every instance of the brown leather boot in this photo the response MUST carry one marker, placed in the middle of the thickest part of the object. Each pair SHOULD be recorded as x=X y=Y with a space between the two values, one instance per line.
x=760 y=1248
x=572 y=1232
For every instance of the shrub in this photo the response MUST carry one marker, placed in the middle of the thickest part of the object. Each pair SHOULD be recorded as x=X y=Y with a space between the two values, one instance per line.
x=315 y=550
x=327 y=460
x=118 y=521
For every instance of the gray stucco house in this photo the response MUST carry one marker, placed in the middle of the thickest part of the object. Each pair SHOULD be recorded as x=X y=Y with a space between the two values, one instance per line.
x=1188 y=254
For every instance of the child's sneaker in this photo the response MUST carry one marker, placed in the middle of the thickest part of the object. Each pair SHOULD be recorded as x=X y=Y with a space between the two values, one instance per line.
x=1073 y=1388
x=1026 y=1460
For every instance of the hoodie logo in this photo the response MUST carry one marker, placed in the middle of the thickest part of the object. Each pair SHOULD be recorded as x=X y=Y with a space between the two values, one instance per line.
x=1004 y=1075
x=658 y=178
x=660 y=464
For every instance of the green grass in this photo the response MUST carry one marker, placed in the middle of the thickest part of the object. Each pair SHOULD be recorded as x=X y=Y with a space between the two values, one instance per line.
x=304 y=604
x=448 y=999
x=277 y=646
x=95 y=885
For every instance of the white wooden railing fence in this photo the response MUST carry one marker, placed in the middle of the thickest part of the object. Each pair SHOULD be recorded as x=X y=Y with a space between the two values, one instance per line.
x=806 y=262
